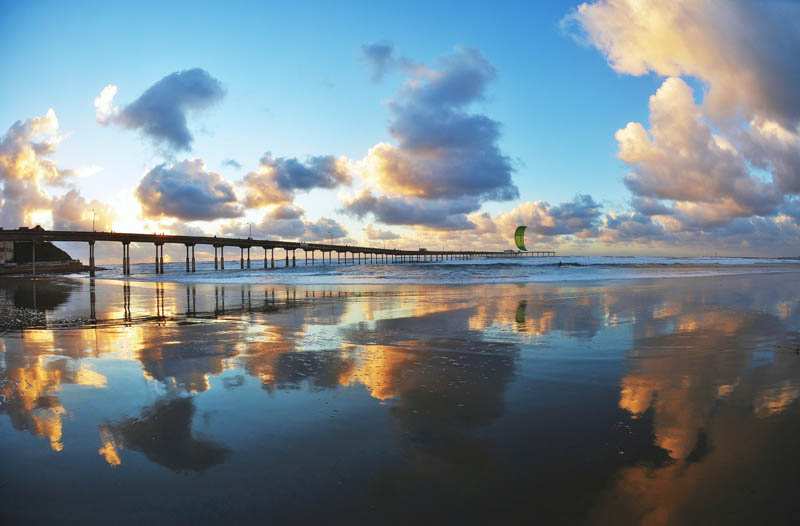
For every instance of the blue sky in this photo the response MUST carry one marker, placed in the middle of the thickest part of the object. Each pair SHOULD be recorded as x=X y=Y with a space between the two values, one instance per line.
x=297 y=85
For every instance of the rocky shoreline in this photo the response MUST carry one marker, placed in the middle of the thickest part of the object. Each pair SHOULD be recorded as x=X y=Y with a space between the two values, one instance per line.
x=18 y=318
x=13 y=319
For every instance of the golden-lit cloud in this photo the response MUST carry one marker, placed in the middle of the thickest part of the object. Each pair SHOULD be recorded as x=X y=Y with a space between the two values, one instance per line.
x=445 y=160
x=378 y=234
x=26 y=169
x=28 y=177
x=743 y=51
x=72 y=211
x=681 y=160
x=276 y=180
x=722 y=171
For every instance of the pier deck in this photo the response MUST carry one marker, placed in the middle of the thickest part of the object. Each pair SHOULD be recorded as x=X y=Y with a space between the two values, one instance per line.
x=344 y=253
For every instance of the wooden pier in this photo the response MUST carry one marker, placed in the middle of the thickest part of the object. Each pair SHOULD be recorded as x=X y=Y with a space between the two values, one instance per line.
x=345 y=254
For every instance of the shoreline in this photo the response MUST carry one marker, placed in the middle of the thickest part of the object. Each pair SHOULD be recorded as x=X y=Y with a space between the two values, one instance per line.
x=250 y=277
x=441 y=389
x=209 y=301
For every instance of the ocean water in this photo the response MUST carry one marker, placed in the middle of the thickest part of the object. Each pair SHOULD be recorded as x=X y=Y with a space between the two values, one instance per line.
x=474 y=271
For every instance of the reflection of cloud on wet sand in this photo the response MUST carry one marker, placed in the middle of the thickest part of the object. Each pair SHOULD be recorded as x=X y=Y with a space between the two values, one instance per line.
x=29 y=386
x=777 y=399
x=463 y=407
x=697 y=381
x=184 y=365
x=443 y=382
x=109 y=449
x=682 y=374
x=280 y=349
x=537 y=312
x=376 y=368
x=163 y=432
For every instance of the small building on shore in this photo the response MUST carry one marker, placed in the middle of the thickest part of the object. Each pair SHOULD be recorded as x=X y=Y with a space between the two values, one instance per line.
x=6 y=252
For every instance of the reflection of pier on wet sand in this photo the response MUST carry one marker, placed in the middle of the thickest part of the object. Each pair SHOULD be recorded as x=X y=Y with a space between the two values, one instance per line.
x=130 y=302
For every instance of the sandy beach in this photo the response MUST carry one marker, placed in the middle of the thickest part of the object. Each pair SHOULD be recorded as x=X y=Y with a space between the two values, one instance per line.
x=650 y=401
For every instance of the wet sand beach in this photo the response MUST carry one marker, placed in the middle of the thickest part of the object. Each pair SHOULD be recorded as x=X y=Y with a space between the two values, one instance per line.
x=651 y=401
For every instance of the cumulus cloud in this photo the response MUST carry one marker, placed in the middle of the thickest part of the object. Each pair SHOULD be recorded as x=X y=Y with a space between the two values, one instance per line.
x=746 y=52
x=759 y=235
x=681 y=160
x=282 y=221
x=72 y=211
x=723 y=170
x=285 y=211
x=445 y=161
x=443 y=151
x=631 y=227
x=277 y=178
x=579 y=217
x=792 y=209
x=574 y=222
x=186 y=190
x=376 y=234
x=104 y=108
x=769 y=146
x=27 y=174
x=484 y=223
x=446 y=214
x=160 y=113
x=287 y=222
x=324 y=229
x=777 y=236
x=26 y=170
x=282 y=228
x=650 y=207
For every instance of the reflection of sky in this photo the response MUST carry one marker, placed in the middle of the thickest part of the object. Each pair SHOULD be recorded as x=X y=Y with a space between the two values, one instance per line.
x=458 y=391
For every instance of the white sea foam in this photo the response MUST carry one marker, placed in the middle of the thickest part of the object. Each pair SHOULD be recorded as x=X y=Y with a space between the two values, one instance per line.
x=494 y=270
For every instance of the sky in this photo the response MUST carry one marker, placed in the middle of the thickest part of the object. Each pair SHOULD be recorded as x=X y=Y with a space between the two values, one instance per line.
x=606 y=127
